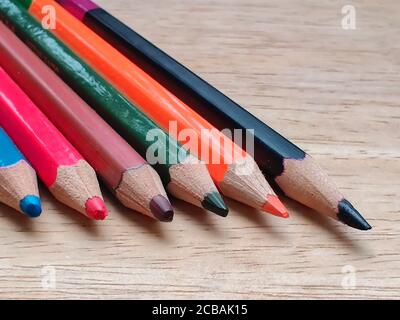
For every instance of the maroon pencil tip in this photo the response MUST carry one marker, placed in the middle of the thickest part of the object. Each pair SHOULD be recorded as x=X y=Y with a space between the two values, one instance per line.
x=161 y=208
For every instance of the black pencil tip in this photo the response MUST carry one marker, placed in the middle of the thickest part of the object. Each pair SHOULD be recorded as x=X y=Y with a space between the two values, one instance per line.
x=350 y=216
x=161 y=208
x=214 y=203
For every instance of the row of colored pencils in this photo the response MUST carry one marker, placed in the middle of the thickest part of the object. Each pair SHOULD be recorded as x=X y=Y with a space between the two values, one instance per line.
x=84 y=96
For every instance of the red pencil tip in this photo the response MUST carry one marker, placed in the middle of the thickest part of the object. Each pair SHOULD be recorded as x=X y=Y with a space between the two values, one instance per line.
x=275 y=206
x=96 y=209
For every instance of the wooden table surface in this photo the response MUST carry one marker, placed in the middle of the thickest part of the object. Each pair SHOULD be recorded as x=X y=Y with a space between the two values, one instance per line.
x=334 y=92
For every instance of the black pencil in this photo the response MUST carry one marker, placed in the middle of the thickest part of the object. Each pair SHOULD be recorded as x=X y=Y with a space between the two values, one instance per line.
x=285 y=164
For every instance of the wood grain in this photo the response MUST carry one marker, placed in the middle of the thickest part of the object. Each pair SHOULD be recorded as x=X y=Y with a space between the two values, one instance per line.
x=334 y=92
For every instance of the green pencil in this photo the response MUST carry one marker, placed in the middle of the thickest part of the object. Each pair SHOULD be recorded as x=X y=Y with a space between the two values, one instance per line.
x=182 y=174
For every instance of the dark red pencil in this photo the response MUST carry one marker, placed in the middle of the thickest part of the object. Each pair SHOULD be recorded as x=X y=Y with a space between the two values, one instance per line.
x=135 y=183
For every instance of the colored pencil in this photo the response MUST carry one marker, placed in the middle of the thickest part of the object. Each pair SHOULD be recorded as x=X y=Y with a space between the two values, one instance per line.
x=159 y=104
x=296 y=173
x=183 y=176
x=18 y=182
x=135 y=183
x=62 y=169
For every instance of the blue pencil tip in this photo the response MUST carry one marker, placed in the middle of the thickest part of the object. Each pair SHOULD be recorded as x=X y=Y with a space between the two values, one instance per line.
x=31 y=206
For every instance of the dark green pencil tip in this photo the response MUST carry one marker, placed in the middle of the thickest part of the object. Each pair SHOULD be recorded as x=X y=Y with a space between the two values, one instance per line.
x=214 y=203
x=350 y=216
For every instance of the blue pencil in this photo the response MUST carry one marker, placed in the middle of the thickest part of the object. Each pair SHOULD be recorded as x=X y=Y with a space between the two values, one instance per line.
x=18 y=182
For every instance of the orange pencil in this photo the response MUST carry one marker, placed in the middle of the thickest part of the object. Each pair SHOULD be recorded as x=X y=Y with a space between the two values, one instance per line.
x=224 y=158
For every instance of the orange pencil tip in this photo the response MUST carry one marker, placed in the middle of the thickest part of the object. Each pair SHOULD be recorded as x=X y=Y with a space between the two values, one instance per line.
x=274 y=206
x=96 y=209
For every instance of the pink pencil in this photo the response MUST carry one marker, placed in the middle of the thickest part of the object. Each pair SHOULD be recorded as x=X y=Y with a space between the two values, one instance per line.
x=59 y=165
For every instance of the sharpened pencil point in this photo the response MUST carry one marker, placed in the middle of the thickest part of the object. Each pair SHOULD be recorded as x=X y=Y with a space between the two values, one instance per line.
x=350 y=216
x=161 y=209
x=96 y=209
x=214 y=203
x=31 y=206
x=274 y=206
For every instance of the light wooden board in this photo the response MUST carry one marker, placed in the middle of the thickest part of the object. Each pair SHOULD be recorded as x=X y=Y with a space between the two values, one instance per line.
x=334 y=92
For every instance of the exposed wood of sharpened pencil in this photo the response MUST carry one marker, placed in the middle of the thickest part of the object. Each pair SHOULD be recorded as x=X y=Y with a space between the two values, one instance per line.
x=284 y=163
x=135 y=183
x=62 y=169
x=18 y=182
x=126 y=119
x=163 y=107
